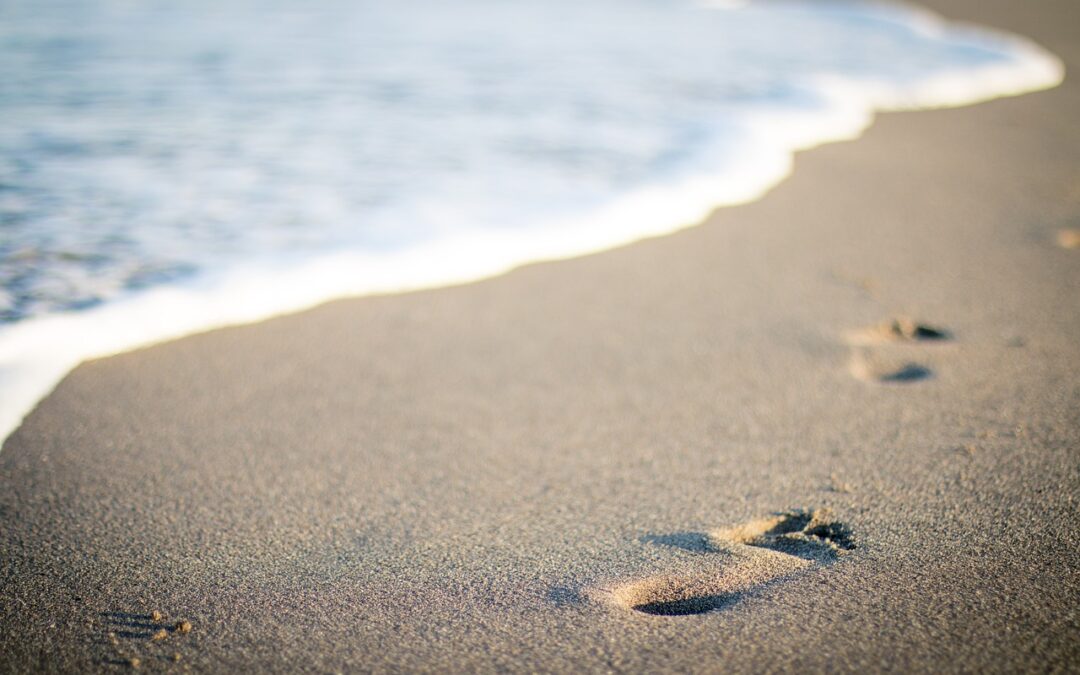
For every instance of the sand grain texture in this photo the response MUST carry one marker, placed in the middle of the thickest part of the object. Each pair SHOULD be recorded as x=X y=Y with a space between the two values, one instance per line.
x=434 y=481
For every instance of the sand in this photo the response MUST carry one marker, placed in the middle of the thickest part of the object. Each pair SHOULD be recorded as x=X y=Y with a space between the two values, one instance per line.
x=730 y=449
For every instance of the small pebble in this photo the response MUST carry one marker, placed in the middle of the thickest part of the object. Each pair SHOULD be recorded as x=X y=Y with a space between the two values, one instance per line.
x=160 y=635
x=1069 y=238
x=156 y=615
x=183 y=626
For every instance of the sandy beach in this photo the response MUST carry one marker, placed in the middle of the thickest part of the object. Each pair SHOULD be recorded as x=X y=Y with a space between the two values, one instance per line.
x=837 y=429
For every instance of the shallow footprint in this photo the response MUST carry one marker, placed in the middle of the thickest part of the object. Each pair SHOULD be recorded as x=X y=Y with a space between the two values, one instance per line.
x=730 y=562
x=890 y=352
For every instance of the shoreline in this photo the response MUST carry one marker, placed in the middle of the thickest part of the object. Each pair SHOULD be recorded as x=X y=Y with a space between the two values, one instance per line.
x=35 y=354
x=450 y=479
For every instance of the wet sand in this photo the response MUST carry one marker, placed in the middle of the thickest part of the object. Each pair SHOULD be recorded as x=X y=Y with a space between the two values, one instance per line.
x=836 y=429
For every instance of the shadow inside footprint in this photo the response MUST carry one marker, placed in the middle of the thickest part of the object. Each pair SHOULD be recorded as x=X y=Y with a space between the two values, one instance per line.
x=911 y=372
x=688 y=606
x=837 y=534
x=900 y=329
x=868 y=370
x=906 y=329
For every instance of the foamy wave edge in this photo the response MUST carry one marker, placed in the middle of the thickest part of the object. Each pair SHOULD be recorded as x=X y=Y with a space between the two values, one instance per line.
x=35 y=355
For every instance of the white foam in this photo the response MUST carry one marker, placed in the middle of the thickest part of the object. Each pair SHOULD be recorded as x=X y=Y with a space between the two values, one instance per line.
x=37 y=353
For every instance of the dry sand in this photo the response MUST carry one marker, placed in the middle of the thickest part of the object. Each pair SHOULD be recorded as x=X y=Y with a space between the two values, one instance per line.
x=493 y=477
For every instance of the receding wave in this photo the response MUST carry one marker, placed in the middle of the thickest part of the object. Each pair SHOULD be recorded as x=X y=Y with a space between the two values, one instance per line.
x=167 y=168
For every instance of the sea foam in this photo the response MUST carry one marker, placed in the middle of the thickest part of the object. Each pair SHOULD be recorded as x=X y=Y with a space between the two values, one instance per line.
x=171 y=171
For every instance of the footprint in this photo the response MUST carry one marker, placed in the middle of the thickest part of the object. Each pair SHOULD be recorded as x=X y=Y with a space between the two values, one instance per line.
x=888 y=352
x=131 y=638
x=805 y=534
x=900 y=329
x=725 y=564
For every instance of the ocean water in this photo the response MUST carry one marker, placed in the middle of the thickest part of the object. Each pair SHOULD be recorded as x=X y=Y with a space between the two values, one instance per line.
x=168 y=167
